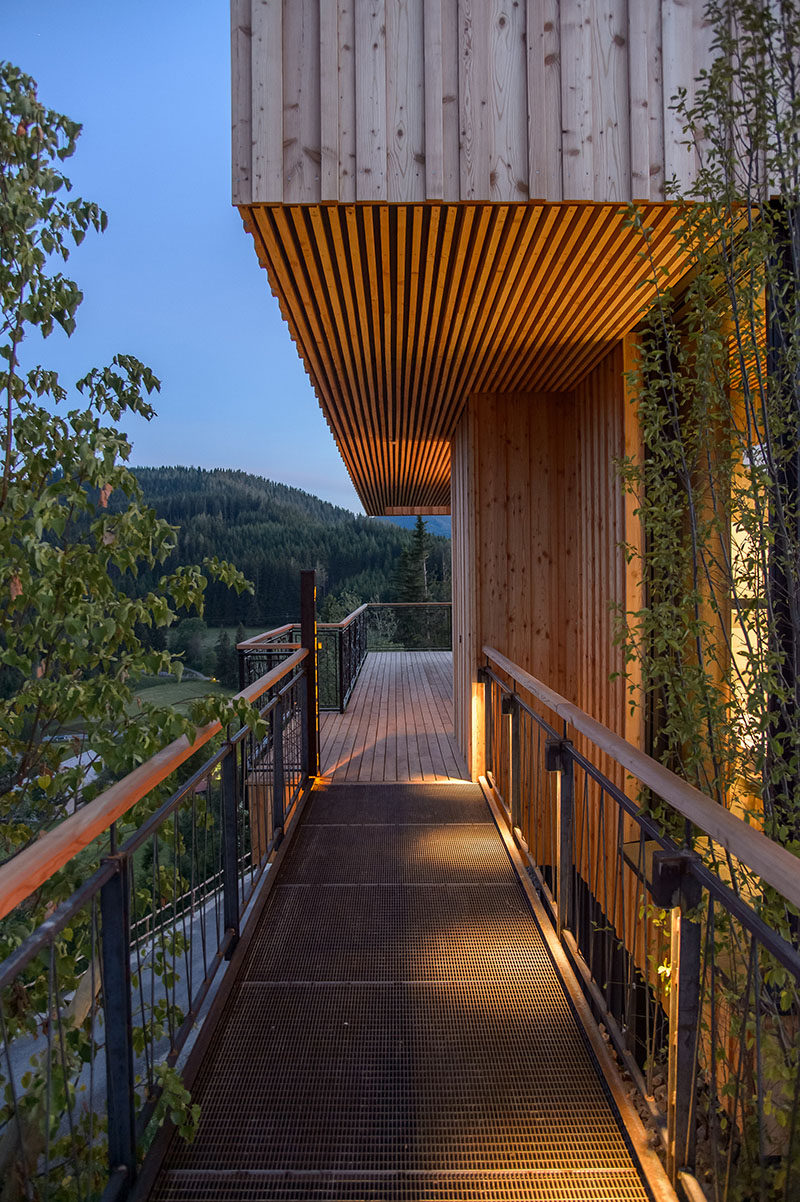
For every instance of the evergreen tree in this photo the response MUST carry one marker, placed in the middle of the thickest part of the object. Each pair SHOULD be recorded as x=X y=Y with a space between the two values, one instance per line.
x=226 y=663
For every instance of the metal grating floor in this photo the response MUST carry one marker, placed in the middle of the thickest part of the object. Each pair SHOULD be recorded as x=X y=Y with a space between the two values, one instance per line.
x=398 y=1030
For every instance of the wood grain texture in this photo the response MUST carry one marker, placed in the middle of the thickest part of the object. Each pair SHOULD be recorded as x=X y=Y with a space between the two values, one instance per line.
x=461 y=100
x=577 y=70
x=433 y=63
x=473 y=87
x=401 y=312
x=451 y=110
x=678 y=72
x=611 y=139
x=405 y=101
x=539 y=519
x=507 y=114
x=371 y=127
x=329 y=98
x=267 y=105
x=639 y=98
x=241 y=111
x=347 y=100
x=398 y=725
x=301 y=102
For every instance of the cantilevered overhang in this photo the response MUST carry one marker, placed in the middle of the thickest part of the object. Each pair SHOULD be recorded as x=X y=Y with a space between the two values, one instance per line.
x=401 y=312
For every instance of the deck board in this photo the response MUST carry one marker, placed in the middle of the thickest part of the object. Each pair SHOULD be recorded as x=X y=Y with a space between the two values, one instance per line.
x=398 y=725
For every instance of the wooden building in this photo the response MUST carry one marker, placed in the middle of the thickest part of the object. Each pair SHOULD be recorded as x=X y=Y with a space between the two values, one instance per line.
x=438 y=190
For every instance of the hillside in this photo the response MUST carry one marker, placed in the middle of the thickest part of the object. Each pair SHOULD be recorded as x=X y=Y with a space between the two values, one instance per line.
x=436 y=523
x=270 y=531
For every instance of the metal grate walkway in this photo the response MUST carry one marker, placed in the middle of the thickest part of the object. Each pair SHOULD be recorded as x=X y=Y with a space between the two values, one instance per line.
x=398 y=1030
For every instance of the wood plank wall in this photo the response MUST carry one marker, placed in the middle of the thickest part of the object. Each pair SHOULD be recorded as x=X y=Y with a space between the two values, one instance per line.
x=499 y=100
x=538 y=519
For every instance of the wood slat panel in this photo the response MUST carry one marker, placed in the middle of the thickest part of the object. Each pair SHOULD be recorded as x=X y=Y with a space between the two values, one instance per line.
x=461 y=100
x=266 y=67
x=329 y=98
x=577 y=158
x=611 y=140
x=371 y=129
x=434 y=100
x=241 y=112
x=302 y=122
x=347 y=100
x=507 y=98
x=400 y=312
x=405 y=101
x=539 y=519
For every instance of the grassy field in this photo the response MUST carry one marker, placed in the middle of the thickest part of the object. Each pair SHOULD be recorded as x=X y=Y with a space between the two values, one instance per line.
x=211 y=635
x=166 y=691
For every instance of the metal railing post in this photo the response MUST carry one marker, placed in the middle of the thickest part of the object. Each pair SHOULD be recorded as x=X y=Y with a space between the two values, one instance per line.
x=230 y=850
x=674 y=886
x=558 y=759
x=304 y=724
x=488 y=726
x=278 y=777
x=116 y=958
x=342 y=688
x=511 y=706
x=308 y=638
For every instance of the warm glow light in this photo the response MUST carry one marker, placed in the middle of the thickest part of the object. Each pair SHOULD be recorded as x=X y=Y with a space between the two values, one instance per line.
x=477 y=747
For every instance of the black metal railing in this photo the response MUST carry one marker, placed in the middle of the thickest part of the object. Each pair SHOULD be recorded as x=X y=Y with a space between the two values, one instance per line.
x=342 y=647
x=263 y=652
x=683 y=933
x=102 y=1000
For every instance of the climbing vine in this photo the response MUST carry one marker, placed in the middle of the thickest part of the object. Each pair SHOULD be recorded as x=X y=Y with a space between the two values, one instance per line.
x=716 y=642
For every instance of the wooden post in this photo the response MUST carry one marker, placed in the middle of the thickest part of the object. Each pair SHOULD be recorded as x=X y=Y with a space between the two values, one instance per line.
x=308 y=638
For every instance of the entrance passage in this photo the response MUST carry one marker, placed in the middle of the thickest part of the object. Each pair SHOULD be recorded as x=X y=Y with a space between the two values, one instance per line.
x=397 y=1029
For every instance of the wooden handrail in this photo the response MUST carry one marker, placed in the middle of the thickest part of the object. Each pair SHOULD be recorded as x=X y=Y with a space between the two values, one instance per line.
x=23 y=875
x=268 y=637
x=345 y=621
x=410 y=604
x=773 y=863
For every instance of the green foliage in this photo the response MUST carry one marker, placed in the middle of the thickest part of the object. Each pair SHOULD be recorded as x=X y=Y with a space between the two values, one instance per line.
x=270 y=531
x=411 y=579
x=76 y=631
x=69 y=647
x=226 y=661
x=716 y=642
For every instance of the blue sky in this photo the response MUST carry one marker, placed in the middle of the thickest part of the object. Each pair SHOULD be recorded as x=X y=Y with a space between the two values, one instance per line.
x=174 y=280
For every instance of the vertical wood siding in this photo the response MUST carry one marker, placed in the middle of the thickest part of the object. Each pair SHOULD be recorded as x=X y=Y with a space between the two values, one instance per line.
x=539 y=518
x=502 y=100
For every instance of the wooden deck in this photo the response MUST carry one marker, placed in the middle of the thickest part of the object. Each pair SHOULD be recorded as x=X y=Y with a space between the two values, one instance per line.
x=399 y=723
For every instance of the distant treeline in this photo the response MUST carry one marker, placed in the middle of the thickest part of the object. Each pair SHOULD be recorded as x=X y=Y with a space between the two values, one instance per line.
x=270 y=531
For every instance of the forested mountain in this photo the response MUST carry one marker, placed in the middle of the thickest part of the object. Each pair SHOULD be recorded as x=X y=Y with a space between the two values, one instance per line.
x=270 y=531
x=437 y=523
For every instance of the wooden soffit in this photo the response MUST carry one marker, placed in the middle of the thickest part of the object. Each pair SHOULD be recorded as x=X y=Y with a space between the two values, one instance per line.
x=400 y=312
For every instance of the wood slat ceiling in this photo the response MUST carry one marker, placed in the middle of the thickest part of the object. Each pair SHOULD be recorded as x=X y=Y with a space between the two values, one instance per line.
x=400 y=312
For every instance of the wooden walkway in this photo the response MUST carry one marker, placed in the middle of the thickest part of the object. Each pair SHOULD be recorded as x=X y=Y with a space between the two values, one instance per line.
x=398 y=725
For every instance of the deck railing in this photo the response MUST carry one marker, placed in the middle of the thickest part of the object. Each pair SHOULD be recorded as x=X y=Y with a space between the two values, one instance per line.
x=681 y=922
x=342 y=646
x=105 y=996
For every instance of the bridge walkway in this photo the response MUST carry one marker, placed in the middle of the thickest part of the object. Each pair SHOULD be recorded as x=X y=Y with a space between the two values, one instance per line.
x=398 y=1028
